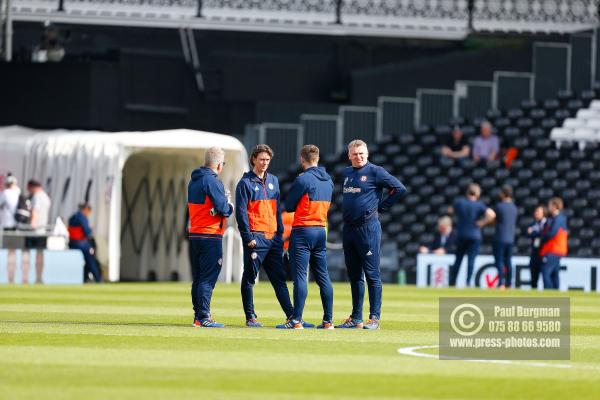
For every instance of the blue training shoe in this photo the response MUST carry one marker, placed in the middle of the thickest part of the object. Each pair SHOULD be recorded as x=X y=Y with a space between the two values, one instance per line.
x=253 y=323
x=290 y=324
x=307 y=325
x=325 y=325
x=350 y=323
x=207 y=323
x=372 y=323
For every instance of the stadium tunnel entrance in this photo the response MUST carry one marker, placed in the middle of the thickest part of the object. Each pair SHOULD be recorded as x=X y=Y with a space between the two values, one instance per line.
x=154 y=214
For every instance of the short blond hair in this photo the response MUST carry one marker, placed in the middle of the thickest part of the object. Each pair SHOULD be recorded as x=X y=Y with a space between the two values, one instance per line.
x=474 y=190
x=357 y=143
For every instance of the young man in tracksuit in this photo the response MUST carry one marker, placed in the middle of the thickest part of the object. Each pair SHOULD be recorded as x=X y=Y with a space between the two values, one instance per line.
x=80 y=238
x=309 y=199
x=362 y=202
x=554 y=239
x=208 y=206
x=259 y=221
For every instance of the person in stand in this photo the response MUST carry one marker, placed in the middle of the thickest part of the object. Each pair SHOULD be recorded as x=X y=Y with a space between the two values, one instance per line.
x=444 y=240
x=457 y=146
x=81 y=238
x=486 y=146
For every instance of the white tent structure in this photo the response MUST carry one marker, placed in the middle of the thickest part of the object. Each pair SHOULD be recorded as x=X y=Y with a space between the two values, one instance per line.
x=136 y=183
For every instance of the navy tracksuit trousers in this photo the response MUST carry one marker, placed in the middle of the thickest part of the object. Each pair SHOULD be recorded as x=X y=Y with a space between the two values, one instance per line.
x=267 y=253
x=535 y=265
x=361 y=252
x=91 y=265
x=470 y=247
x=503 y=259
x=207 y=257
x=550 y=271
x=307 y=247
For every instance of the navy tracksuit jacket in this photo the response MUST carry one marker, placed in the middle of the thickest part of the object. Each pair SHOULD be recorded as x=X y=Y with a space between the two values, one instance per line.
x=309 y=199
x=208 y=208
x=362 y=201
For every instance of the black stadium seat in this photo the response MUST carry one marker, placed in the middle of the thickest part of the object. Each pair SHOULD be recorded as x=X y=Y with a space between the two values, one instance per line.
x=549 y=175
x=524 y=123
x=528 y=104
x=515 y=113
x=493 y=114
x=536 y=133
x=548 y=123
x=551 y=104
x=562 y=114
x=440 y=181
x=565 y=94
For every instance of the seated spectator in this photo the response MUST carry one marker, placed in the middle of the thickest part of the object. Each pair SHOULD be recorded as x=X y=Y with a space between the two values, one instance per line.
x=456 y=147
x=444 y=240
x=486 y=146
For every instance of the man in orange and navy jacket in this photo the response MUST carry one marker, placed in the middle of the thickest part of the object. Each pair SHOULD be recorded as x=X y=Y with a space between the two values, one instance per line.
x=208 y=206
x=258 y=217
x=80 y=237
x=310 y=197
x=554 y=238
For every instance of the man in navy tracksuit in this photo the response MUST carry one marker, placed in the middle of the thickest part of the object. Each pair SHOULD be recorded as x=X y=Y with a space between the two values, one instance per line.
x=362 y=202
x=208 y=206
x=471 y=216
x=80 y=238
x=504 y=237
x=259 y=221
x=309 y=199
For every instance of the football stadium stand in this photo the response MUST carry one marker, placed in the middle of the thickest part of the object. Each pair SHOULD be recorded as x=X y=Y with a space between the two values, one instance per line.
x=450 y=19
x=524 y=109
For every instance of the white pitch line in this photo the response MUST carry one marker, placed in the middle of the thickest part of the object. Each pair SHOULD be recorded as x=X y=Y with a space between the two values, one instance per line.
x=412 y=351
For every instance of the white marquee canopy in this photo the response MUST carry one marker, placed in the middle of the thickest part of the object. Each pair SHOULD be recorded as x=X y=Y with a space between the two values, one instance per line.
x=136 y=183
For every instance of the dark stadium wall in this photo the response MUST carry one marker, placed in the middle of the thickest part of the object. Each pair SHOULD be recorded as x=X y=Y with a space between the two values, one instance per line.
x=441 y=72
x=116 y=78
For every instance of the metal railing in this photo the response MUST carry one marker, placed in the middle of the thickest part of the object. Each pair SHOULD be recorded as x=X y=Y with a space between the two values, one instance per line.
x=433 y=19
x=555 y=11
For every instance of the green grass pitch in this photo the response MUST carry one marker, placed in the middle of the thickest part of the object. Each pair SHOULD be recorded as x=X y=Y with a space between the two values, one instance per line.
x=135 y=341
